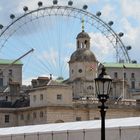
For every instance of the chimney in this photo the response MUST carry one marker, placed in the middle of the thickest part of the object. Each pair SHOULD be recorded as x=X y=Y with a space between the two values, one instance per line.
x=14 y=88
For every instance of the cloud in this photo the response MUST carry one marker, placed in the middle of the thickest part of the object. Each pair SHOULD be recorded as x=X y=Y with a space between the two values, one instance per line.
x=50 y=55
x=101 y=46
x=27 y=81
x=131 y=32
x=108 y=12
x=0 y=8
x=131 y=8
x=71 y=45
x=131 y=38
x=87 y=2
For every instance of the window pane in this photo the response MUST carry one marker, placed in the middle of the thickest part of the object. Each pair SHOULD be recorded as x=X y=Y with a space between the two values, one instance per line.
x=41 y=97
x=6 y=118
x=59 y=97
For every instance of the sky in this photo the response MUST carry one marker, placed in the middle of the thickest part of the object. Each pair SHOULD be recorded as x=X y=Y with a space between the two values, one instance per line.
x=124 y=13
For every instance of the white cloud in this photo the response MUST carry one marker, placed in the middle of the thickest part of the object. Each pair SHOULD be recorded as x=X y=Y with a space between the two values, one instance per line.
x=131 y=8
x=49 y=55
x=0 y=8
x=101 y=46
x=131 y=38
x=108 y=12
x=88 y=1
x=27 y=81
x=131 y=33
x=71 y=45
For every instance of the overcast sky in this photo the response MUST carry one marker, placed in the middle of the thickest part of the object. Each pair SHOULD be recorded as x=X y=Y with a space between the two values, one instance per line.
x=124 y=13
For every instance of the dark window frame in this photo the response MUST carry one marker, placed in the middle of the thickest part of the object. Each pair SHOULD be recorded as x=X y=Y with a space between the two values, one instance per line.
x=7 y=118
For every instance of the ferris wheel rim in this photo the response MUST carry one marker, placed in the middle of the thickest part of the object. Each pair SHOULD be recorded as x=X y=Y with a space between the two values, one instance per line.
x=84 y=12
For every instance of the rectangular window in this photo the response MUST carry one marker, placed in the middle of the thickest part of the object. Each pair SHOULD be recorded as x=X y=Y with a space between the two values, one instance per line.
x=41 y=97
x=59 y=97
x=28 y=116
x=96 y=118
x=1 y=73
x=41 y=114
x=1 y=82
x=6 y=118
x=21 y=117
x=34 y=115
x=133 y=84
x=115 y=75
x=34 y=98
x=10 y=72
x=78 y=118
x=124 y=75
x=132 y=75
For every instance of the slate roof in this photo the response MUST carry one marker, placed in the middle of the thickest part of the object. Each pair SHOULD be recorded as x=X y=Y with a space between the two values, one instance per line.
x=120 y=65
x=21 y=103
x=5 y=104
x=17 y=104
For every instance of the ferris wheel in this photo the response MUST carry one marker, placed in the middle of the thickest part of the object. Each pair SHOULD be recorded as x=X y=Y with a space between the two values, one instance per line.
x=51 y=32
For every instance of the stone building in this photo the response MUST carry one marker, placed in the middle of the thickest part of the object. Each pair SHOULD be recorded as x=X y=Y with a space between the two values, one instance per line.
x=82 y=68
x=54 y=101
x=9 y=72
x=127 y=75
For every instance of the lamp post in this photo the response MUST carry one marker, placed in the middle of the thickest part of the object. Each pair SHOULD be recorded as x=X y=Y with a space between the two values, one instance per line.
x=103 y=86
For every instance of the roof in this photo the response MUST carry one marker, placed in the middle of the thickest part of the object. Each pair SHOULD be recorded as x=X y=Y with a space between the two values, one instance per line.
x=81 y=55
x=22 y=102
x=121 y=65
x=56 y=83
x=5 y=104
x=82 y=125
x=82 y=35
x=7 y=61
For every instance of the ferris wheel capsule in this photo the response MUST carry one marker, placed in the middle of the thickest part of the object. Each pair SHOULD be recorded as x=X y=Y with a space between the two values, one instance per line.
x=12 y=16
x=120 y=34
x=98 y=14
x=70 y=3
x=1 y=26
x=40 y=4
x=55 y=2
x=85 y=7
x=129 y=47
x=110 y=23
x=25 y=8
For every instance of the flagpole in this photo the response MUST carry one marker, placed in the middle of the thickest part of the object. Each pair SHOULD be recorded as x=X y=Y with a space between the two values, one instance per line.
x=123 y=83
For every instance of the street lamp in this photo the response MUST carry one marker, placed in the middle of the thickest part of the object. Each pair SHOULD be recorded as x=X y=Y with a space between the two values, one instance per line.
x=103 y=86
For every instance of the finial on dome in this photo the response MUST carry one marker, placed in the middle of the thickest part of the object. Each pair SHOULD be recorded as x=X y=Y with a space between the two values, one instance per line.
x=83 y=24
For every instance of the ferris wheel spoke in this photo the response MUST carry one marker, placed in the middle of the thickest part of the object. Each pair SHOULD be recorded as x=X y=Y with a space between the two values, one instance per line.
x=50 y=30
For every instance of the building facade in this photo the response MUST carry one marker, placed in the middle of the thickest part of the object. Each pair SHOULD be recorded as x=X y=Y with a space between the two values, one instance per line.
x=128 y=76
x=10 y=71
x=54 y=101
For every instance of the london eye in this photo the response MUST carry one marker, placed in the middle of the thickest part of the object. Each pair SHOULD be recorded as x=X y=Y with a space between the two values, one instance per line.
x=51 y=32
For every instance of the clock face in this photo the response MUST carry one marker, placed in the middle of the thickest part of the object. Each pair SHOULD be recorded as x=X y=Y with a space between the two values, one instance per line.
x=91 y=67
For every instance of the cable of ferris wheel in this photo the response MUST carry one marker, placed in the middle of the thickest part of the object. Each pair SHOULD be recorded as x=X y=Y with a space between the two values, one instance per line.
x=76 y=9
x=19 y=59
